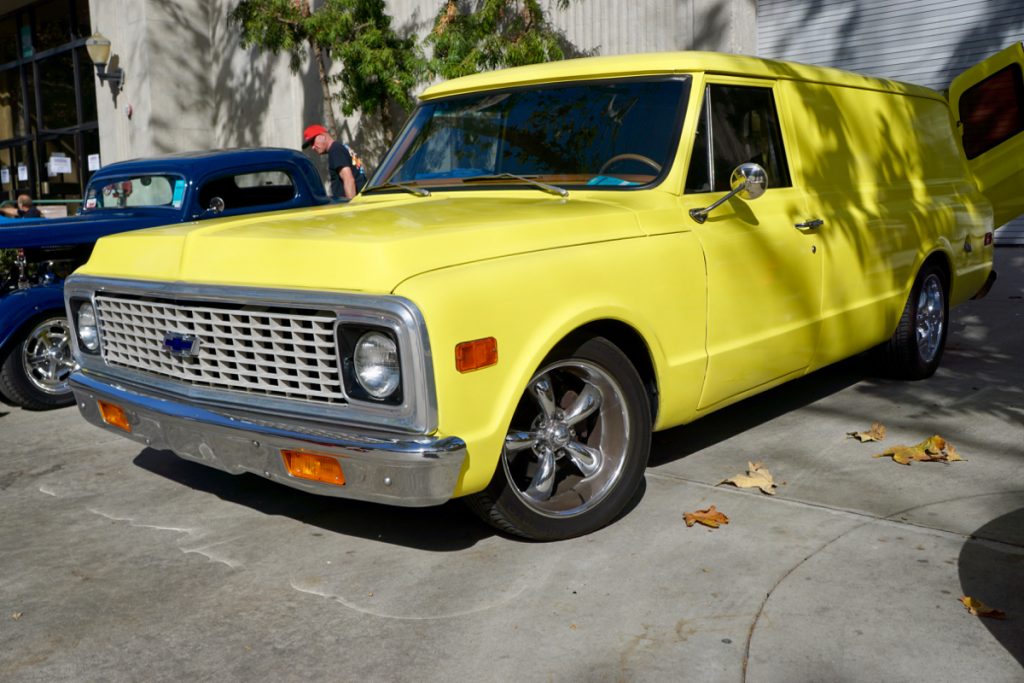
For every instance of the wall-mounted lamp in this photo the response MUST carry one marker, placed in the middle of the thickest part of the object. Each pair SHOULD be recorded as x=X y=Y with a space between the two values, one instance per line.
x=98 y=48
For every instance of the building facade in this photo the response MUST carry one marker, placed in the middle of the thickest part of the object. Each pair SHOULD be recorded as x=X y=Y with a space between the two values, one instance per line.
x=49 y=123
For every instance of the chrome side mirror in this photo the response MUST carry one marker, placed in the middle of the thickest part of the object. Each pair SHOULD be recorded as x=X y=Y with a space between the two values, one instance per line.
x=748 y=181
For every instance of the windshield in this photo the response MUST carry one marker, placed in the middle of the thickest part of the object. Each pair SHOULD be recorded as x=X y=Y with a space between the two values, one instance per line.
x=135 y=191
x=602 y=134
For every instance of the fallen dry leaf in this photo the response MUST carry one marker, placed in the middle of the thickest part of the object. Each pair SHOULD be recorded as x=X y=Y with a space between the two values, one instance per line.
x=876 y=433
x=934 y=449
x=17 y=615
x=757 y=477
x=980 y=609
x=709 y=517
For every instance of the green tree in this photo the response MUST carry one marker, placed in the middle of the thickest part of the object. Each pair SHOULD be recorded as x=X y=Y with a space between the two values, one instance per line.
x=478 y=35
x=378 y=66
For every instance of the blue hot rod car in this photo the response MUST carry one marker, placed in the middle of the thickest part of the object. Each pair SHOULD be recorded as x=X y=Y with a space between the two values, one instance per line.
x=37 y=254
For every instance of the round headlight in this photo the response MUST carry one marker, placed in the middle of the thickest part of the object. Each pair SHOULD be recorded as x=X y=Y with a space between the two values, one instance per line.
x=376 y=364
x=87 y=332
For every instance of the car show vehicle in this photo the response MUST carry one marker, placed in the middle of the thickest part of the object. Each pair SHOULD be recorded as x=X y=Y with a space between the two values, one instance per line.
x=35 y=350
x=552 y=262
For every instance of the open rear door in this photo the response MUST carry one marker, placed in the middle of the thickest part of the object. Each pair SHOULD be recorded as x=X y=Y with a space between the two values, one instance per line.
x=988 y=106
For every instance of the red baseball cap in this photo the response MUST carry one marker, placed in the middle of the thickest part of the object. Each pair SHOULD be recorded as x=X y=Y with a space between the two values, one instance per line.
x=310 y=134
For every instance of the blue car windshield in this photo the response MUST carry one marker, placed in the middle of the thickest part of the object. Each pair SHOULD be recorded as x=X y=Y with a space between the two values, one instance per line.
x=135 y=191
x=600 y=134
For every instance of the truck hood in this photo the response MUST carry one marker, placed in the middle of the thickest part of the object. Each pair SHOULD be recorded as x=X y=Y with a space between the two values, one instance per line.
x=369 y=246
x=85 y=228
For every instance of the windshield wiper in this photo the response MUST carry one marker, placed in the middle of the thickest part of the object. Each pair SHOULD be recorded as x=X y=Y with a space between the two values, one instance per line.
x=552 y=189
x=418 y=191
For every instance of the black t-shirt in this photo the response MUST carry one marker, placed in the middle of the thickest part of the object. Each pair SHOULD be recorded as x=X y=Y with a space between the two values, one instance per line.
x=29 y=213
x=337 y=159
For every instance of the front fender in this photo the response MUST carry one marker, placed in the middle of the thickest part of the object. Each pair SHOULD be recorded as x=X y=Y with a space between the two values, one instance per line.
x=530 y=302
x=21 y=305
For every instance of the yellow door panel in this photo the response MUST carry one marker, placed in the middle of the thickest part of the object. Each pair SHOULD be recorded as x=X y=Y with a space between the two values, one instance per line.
x=764 y=291
x=988 y=105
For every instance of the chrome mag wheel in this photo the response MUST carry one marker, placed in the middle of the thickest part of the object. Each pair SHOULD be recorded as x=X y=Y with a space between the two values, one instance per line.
x=931 y=318
x=576 y=448
x=571 y=453
x=46 y=357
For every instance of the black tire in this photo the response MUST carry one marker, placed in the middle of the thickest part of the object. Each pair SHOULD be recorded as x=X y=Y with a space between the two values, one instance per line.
x=915 y=349
x=36 y=366
x=576 y=451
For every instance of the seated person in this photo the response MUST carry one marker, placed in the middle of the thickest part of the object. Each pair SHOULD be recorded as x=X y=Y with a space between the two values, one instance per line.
x=24 y=209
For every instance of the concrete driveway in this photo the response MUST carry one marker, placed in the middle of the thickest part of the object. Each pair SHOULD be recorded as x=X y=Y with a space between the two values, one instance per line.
x=124 y=564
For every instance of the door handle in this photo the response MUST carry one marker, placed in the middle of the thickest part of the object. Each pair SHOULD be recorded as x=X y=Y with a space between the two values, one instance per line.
x=810 y=225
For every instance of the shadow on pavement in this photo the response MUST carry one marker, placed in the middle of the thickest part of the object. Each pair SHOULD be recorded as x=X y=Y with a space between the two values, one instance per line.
x=679 y=442
x=442 y=528
x=992 y=570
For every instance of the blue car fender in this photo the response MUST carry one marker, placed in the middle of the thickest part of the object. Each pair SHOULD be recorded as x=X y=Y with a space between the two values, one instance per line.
x=21 y=305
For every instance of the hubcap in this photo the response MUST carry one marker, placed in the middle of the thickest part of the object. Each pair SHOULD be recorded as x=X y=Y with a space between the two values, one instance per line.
x=570 y=450
x=46 y=356
x=931 y=318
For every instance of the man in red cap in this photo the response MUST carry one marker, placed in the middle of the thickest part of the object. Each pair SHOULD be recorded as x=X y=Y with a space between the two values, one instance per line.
x=346 y=170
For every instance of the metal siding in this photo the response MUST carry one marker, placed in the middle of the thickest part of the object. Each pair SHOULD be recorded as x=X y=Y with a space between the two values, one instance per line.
x=927 y=42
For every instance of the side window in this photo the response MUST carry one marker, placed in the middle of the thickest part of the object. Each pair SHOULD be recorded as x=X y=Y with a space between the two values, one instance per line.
x=737 y=125
x=248 y=190
x=992 y=111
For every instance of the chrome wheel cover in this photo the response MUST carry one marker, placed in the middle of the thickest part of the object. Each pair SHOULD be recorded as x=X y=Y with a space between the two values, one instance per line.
x=931 y=318
x=571 y=454
x=46 y=356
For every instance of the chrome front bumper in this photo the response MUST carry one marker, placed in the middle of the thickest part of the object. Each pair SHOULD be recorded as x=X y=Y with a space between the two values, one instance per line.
x=403 y=470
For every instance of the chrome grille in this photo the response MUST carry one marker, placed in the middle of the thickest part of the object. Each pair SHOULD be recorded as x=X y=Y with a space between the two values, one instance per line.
x=270 y=351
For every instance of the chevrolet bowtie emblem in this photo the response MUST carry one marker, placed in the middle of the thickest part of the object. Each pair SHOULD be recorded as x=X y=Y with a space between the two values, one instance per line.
x=179 y=344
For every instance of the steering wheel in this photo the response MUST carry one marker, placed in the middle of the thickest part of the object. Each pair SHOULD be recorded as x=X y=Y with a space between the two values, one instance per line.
x=630 y=157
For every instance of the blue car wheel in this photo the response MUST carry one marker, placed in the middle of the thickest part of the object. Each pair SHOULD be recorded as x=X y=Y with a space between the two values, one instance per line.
x=36 y=370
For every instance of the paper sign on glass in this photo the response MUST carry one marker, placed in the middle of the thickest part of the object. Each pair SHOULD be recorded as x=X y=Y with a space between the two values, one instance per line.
x=5 y=175
x=60 y=164
x=22 y=172
x=94 y=162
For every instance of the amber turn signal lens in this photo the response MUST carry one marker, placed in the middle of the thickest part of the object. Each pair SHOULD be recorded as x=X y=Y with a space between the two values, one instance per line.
x=114 y=415
x=303 y=465
x=476 y=354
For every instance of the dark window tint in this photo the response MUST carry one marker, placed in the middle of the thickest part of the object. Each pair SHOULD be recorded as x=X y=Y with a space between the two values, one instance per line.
x=53 y=25
x=608 y=134
x=86 y=86
x=58 y=100
x=248 y=190
x=8 y=39
x=738 y=125
x=992 y=111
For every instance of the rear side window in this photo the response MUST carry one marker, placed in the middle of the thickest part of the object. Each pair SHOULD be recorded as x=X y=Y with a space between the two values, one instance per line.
x=738 y=124
x=249 y=190
x=992 y=111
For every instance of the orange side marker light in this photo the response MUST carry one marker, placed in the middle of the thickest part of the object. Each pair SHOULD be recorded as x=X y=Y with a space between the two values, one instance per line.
x=114 y=415
x=476 y=354
x=313 y=466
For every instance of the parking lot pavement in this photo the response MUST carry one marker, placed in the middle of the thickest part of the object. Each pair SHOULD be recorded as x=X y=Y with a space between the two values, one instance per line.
x=121 y=563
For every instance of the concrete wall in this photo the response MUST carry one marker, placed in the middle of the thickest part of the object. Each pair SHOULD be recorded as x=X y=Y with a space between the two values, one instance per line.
x=190 y=85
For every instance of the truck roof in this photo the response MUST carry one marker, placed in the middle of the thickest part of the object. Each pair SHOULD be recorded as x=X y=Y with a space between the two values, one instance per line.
x=667 y=63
